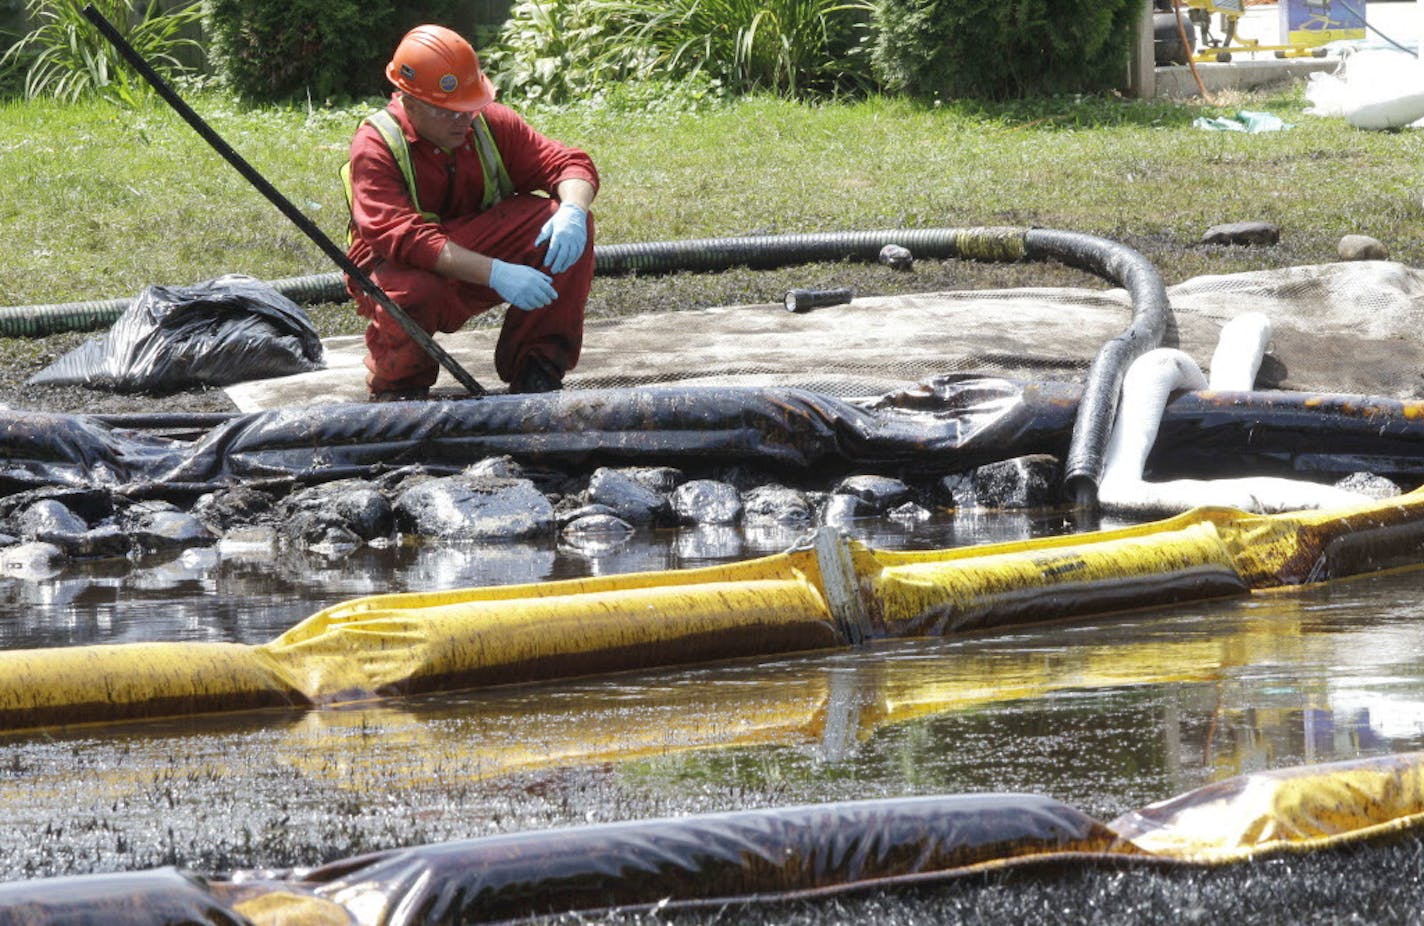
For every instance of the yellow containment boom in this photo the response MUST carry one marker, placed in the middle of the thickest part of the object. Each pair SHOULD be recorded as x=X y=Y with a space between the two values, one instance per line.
x=404 y=643
x=831 y=592
x=1294 y=810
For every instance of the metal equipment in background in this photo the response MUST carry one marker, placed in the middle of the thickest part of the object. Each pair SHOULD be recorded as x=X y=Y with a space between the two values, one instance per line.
x=1318 y=22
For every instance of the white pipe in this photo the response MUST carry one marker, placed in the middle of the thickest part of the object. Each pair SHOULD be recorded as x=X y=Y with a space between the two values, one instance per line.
x=1146 y=387
x=1239 y=350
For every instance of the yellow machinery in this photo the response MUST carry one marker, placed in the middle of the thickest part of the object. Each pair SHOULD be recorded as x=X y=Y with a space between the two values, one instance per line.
x=1229 y=13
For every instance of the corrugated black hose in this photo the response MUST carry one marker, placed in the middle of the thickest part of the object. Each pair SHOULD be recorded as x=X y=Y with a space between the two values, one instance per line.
x=1110 y=260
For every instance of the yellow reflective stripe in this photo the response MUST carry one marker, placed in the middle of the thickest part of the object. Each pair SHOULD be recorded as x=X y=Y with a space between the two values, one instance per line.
x=497 y=183
x=345 y=173
x=391 y=132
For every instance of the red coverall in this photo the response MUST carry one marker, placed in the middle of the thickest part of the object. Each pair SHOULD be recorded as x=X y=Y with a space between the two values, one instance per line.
x=397 y=247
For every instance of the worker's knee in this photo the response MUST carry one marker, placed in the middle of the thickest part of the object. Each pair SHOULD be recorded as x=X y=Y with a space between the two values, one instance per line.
x=413 y=289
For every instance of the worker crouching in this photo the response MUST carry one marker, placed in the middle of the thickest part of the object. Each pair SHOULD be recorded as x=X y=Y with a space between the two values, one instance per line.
x=447 y=218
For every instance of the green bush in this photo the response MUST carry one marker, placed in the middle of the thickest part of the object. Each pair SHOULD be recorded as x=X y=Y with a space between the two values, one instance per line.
x=12 y=27
x=788 y=47
x=554 y=51
x=1002 y=49
x=66 y=57
x=276 y=50
x=562 y=49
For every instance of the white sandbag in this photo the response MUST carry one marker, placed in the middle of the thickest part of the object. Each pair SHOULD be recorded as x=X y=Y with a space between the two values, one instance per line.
x=1375 y=89
x=1148 y=384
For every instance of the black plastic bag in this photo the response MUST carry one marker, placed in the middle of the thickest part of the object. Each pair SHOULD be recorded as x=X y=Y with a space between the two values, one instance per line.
x=229 y=330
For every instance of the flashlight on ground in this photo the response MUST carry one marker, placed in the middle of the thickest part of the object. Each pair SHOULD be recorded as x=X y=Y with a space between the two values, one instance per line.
x=803 y=300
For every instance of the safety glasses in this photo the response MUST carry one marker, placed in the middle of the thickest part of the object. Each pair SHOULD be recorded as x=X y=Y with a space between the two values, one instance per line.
x=439 y=112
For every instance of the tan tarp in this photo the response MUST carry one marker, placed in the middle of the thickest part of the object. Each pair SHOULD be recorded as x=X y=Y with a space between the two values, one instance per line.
x=1343 y=327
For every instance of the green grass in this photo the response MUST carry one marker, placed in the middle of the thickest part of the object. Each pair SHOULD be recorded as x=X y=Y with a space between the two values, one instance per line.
x=100 y=201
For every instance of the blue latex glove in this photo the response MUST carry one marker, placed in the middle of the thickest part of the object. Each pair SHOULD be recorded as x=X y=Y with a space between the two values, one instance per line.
x=522 y=287
x=567 y=234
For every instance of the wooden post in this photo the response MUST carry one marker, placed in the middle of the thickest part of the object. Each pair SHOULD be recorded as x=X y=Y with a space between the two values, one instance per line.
x=1142 y=63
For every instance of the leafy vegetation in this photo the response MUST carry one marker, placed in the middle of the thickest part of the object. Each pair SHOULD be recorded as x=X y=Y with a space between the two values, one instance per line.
x=559 y=50
x=554 y=51
x=787 y=47
x=66 y=57
x=322 y=50
x=1002 y=49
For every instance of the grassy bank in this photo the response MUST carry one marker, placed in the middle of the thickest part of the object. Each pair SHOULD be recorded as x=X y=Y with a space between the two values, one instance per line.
x=100 y=202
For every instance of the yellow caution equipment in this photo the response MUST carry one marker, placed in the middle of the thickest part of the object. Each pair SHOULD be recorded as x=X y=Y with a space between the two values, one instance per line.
x=1289 y=810
x=84 y=684
x=399 y=644
x=831 y=592
x=1311 y=29
x=782 y=702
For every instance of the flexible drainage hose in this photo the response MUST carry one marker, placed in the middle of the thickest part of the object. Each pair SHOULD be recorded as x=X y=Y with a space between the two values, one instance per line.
x=697 y=254
x=1110 y=260
x=33 y=321
x=1151 y=310
x=763 y=252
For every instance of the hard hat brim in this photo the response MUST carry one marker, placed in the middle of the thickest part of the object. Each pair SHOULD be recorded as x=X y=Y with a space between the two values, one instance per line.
x=465 y=99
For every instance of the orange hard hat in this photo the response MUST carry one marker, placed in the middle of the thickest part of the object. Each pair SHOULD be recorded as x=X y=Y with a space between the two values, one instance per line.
x=437 y=66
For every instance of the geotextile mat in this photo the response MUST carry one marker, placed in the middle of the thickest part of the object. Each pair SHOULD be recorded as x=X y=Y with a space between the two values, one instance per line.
x=1341 y=327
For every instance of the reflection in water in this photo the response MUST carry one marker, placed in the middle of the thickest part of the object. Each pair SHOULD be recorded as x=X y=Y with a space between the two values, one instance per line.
x=709 y=544
x=1107 y=715
x=251 y=593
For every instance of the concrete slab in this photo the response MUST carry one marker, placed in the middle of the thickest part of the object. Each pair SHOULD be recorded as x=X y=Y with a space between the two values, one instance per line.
x=1178 y=83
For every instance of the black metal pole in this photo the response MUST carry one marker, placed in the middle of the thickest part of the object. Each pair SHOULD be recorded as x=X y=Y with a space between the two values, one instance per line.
x=416 y=333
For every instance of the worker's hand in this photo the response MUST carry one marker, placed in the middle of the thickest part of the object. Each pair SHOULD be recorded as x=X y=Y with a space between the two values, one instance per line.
x=567 y=234
x=522 y=287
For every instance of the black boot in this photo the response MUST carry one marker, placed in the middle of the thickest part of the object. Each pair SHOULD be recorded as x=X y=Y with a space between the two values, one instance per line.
x=537 y=375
